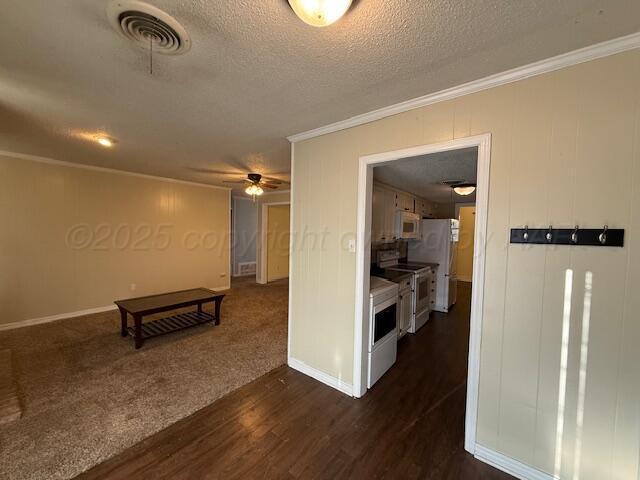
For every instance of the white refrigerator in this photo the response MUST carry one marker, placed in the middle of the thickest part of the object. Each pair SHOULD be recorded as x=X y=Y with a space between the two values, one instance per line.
x=438 y=243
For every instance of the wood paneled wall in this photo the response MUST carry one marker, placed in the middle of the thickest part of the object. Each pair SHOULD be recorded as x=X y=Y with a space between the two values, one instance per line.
x=565 y=151
x=74 y=239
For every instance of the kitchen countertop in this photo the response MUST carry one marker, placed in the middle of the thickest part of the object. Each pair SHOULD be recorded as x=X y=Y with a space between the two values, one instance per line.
x=432 y=265
x=394 y=275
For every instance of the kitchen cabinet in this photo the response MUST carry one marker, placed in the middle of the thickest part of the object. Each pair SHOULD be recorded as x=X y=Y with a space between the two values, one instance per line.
x=389 y=216
x=377 y=214
x=385 y=202
x=383 y=213
x=432 y=289
x=424 y=208
x=405 y=202
x=405 y=309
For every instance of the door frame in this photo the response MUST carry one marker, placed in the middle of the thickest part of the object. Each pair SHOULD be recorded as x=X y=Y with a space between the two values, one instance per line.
x=262 y=257
x=363 y=260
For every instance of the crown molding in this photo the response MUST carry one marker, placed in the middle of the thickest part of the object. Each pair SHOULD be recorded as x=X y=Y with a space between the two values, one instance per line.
x=62 y=163
x=558 y=62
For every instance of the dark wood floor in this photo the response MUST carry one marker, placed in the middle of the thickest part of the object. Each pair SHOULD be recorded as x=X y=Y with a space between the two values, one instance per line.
x=288 y=426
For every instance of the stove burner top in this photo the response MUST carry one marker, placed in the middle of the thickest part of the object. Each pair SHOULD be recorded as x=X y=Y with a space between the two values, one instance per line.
x=408 y=266
x=395 y=275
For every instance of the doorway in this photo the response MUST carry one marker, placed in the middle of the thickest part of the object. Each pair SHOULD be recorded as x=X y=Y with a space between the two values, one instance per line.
x=275 y=239
x=364 y=260
x=466 y=214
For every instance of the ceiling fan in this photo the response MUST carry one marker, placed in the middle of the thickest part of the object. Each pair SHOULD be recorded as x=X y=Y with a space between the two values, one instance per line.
x=255 y=184
x=260 y=180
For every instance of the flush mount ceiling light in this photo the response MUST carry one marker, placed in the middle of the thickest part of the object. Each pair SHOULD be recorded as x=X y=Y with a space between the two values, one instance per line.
x=460 y=187
x=320 y=13
x=464 y=188
x=105 y=141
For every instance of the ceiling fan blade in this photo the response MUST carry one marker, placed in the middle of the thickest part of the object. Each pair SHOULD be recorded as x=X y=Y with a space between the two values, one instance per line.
x=234 y=181
x=265 y=185
x=276 y=181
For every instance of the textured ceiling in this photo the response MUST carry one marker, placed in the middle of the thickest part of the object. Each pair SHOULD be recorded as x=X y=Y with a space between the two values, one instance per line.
x=255 y=73
x=422 y=175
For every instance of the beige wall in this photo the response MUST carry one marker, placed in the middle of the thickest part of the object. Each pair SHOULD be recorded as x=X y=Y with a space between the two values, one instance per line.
x=565 y=151
x=465 y=243
x=277 y=247
x=266 y=199
x=64 y=245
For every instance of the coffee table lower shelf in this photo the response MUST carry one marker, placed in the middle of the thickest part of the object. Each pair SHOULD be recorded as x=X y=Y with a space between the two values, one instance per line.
x=174 y=323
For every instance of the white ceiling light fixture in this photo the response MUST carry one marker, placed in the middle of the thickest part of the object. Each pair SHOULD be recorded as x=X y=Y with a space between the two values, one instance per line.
x=460 y=187
x=105 y=141
x=320 y=13
x=464 y=189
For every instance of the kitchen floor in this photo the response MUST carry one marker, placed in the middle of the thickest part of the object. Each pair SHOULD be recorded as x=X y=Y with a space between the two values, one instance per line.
x=287 y=425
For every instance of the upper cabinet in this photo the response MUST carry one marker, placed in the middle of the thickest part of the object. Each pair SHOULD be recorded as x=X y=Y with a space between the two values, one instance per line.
x=377 y=214
x=389 y=216
x=405 y=201
x=386 y=201
x=424 y=208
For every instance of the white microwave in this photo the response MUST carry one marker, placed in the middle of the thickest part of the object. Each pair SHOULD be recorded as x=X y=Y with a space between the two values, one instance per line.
x=407 y=225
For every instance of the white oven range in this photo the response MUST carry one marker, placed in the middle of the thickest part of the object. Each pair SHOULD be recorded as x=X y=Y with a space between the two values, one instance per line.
x=383 y=328
x=422 y=285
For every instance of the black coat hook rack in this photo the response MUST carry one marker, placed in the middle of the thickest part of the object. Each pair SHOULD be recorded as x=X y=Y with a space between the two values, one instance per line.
x=594 y=237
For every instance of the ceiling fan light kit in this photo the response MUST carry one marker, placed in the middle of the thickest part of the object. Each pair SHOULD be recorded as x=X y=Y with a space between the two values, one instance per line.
x=320 y=13
x=254 y=189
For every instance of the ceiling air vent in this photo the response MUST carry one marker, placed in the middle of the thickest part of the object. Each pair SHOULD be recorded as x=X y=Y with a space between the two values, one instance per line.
x=451 y=182
x=147 y=26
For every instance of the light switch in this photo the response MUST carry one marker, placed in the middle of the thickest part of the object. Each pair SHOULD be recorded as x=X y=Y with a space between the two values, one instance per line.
x=352 y=246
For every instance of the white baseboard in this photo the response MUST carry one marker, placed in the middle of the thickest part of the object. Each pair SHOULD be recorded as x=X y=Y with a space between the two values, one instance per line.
x=509 y=465
x=79 y=313
x=53 y=318
x=325 y=378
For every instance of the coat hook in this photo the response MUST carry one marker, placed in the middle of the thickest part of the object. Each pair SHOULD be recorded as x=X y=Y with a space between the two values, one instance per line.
x=526 y=233
x=574 y=235
x=549 y=235
x=603 y=235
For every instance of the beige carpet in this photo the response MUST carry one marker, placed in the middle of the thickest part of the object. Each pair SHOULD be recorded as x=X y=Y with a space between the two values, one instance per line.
x=10 y=409
x=87 y=394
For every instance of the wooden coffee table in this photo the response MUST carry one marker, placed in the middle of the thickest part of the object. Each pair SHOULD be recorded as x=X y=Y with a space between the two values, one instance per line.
x=149 y=305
